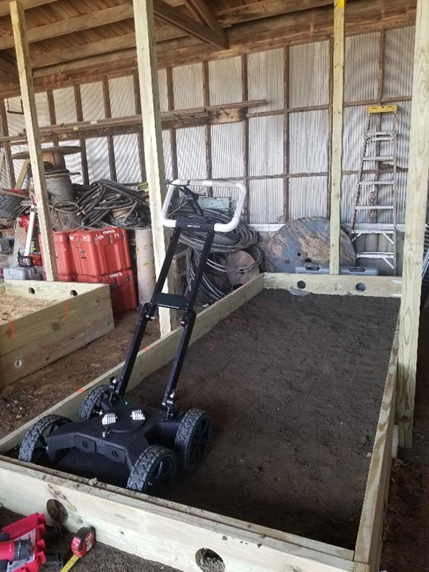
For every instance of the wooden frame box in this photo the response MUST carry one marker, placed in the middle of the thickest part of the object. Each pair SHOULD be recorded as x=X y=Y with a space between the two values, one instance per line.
x=81 y=314
x=172 y=533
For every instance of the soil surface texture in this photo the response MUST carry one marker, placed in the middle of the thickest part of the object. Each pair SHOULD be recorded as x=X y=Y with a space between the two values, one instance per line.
x=14 y=307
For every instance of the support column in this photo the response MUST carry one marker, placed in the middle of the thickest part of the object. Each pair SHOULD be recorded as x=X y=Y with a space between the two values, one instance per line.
x=33 y=136
x=415 y=218
x=337 y=136
x=151 y=118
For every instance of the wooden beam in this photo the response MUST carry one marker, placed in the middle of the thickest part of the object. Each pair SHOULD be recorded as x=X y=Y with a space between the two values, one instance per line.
x=172 y=16
x=201 y=10
x=34 y=146
x=415 y=218
x=72 y=25
x=154 y=156
x=337 y=136
x=4 y=130
x=377 y=286
x=5 y=10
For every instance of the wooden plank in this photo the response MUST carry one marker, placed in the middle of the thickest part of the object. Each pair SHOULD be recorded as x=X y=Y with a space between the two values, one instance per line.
x=148 y=360
x=153 y=147
x=34 y=146
x=108 y=114
x=72 y=25
x=9 y=69
x=82 y=142
x=369 y=539
x=44 y=291
x=337 y=136
x=165 y=532
x=201 y=10
x=172 y=16
x=415 y=218
x=4 y=131
x=384 y=286
x=28 y=4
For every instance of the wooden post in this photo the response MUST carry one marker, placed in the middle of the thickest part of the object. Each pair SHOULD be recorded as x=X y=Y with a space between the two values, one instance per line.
x=337 y=136
x=33 y=136
x=151 y=118
x=415 y=218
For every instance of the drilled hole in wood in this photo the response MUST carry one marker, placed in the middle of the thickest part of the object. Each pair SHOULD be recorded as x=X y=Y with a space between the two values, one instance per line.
x=73 y=293
x=360 y=287
x=209 y=561
x=57 y=511
x=301 y=284
x=31 y=291
x=18 y=363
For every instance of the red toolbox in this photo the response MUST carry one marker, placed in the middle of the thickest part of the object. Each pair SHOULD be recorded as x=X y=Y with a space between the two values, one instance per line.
x=63 y=254
x=100 y=251
x=122 y=288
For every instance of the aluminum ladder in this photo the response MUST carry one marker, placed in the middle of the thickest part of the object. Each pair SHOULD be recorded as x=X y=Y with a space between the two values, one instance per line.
x=379 y=149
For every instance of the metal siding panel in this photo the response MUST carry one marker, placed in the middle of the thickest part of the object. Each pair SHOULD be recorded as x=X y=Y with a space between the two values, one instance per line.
x=307 y=197
x=15 y=121
x=92 y=101
x=398 y=62
x=74 y=163
x=348 y=194
x=163 y=90
x=191 y=153
x=309 y=74
x=188 y=86
x=266 y=145
x=98 y=159
x=225 y=81
x=121 y=90
x=166 y=146
x=265 y=72
x=308 y=136
x=65 y=107
x=353 y=136
x=18 y=163
x=266 y=201
x=127 y=158
x=227 y=150
x=361 y=67
x=42 y=108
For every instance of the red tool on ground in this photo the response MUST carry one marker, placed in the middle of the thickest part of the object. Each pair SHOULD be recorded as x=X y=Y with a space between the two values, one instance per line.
x=22 y=548
x=82 y=542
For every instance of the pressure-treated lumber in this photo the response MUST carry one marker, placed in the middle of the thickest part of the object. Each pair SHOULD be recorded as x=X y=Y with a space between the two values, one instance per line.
x=380 y=286
x=34 y=146
x=337 y=135
x=168 y=534
x=80 y=314
x=369 y=539
x=154 y=157
x=415 y=218
x=145 y=525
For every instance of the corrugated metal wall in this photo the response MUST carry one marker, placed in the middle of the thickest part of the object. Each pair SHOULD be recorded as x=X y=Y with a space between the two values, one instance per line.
x=282 y=148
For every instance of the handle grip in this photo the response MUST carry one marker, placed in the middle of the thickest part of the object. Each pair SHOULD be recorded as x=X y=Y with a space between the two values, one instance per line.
x=218 y=227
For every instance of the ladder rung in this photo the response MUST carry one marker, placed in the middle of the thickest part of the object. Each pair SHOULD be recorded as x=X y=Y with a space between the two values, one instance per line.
x=375 y=231
x=173 y=301
x=369 y=183
x=375 y=207
x=375 y=158
x=375 y=255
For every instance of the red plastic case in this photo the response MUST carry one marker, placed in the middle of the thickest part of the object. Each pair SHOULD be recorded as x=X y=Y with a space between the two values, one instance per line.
x=63 y=253
x=67 y=278
x=100 y=251
x=122 y=288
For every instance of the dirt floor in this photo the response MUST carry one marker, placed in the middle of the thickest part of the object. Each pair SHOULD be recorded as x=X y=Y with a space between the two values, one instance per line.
x=407 y=520
x=14 y=307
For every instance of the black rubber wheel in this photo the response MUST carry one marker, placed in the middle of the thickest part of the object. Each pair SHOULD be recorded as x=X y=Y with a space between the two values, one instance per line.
x=91 y=405
x=33 y=446
x=193 y=439
x=154 y=471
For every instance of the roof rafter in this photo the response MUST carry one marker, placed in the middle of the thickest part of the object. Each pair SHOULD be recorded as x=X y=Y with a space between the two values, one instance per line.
x=166 y=13
x=5 y=9
x=201 y=10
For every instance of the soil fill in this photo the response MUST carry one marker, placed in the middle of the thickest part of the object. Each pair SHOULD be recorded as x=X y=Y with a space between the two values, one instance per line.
x=14 y=307
x=294 y=386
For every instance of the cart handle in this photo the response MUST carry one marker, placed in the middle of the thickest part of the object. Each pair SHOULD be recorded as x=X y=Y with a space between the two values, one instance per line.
x=218 y=227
